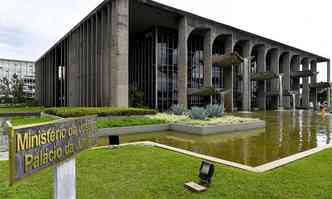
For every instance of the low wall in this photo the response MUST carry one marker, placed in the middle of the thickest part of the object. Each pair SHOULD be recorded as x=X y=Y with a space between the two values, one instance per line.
x=197 y=130
x=207 y=130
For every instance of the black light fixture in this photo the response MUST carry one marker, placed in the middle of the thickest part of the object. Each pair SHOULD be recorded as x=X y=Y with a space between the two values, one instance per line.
x=206 y=172
x=113 y=140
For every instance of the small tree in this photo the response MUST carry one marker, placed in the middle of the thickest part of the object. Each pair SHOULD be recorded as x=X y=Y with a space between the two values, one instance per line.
x=12 y=90
x=17 y=89
x=5 y=90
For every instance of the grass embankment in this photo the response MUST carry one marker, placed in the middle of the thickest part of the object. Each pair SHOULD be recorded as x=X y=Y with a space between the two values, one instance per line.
x=35 y=109
x=67 y=112
x=20 y=121
x=147 y=172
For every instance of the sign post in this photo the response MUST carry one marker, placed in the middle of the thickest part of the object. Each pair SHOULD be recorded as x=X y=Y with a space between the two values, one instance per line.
x=65 y=180
x=34 y=148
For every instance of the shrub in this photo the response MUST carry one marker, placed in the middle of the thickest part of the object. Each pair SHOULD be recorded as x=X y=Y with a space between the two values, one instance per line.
x=66 y=112
x=179 y=109
x=128 y=122
x=215 y=110
x=198 y=113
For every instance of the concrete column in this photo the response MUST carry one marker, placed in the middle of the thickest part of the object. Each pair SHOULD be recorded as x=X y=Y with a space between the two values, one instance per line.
x=275 y=69
x=275 y=84
x=246 y=85
x=285 y=64
x=246 y=65
x=182 y=81
x=261 y=87
x=313 y=81
x=329 y=80
x=119 y=53
x=296 y=67
x=228 y=78
x=207 y=59
x=305 y=83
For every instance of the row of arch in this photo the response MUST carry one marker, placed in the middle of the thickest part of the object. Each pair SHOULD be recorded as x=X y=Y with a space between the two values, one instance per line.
x=267 y=59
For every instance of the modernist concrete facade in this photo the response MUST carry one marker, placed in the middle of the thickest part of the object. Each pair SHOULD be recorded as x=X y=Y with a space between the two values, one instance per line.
x=25 y=70
x=126 y=45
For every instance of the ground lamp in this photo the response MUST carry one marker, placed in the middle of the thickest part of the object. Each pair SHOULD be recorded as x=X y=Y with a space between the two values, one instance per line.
x=206 y=172
x=113 y=140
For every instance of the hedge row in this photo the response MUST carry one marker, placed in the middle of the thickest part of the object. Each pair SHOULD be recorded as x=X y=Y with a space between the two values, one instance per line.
x=67 y=112
x=129 y=122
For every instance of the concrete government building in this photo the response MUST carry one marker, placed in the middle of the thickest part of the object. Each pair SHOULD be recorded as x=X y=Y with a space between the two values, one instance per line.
x=25 y=71
x=167 y=54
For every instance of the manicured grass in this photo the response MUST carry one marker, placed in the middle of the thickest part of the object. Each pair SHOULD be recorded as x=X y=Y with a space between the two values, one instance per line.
x=67 y=112
x=148 y=172
x=36 y=109
x=19 y=121
x=129 y=122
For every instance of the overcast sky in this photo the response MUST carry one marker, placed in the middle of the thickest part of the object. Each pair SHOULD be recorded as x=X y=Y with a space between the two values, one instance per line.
x=29 y=28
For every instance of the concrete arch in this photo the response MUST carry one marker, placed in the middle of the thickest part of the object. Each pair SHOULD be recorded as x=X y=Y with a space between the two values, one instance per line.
x=242 y=47
x=305 y=63
x=258 y=99
x=241 y=76
x=284 y=68
x=195 y=44
x=223 y=42
x=295 y=82
x=284 y=63
x=272 y=60
x=313 y=80
x=258 y=51
x=295 y=63
x=272 y=65
x=197 y=30
x=313 y=68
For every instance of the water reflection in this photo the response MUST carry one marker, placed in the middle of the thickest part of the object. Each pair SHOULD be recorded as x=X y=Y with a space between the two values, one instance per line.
x=286 y=133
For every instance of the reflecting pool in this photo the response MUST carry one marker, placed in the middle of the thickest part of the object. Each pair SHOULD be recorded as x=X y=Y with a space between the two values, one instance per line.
x=286 y=133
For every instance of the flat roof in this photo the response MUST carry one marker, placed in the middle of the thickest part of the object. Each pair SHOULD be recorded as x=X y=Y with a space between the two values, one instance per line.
x=16 y=60
x=181 y=12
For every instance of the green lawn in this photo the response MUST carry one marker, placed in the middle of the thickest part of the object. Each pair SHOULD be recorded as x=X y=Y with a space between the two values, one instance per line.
x=148 y=172
x=19 y=121
x=129 y=122
x=21 y=109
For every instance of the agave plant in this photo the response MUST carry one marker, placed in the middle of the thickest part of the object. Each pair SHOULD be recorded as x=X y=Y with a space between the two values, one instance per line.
x=179 y=109
x=215 y=110
x=198 y=113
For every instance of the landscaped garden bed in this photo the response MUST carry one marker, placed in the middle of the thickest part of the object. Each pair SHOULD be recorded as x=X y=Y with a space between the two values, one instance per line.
x=181 y=123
